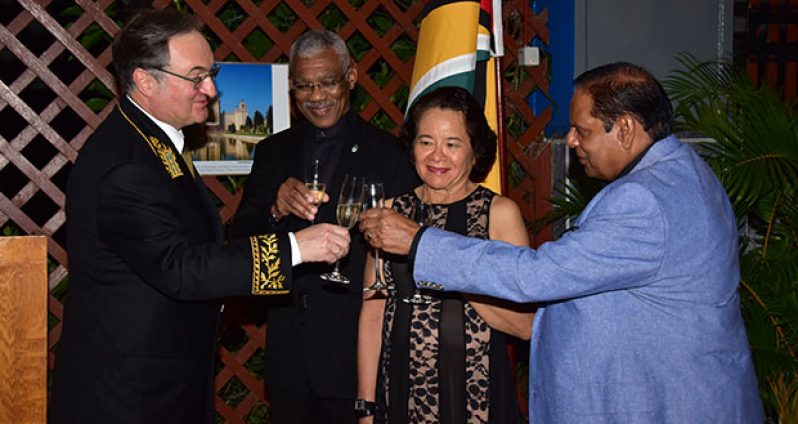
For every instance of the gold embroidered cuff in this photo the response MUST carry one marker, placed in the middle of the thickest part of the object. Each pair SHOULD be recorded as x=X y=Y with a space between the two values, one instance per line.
x=267 y=277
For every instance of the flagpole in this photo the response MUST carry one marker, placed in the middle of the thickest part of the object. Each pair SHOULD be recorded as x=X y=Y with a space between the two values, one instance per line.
x=500 y=125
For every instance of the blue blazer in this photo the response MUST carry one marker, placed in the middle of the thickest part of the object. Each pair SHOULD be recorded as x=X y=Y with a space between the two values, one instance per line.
x=641 y=319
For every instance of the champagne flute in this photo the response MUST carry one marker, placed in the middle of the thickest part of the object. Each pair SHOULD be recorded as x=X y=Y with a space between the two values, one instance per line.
x=375 y=198
x=316 y=186
x=417 y=298
x=350 y=200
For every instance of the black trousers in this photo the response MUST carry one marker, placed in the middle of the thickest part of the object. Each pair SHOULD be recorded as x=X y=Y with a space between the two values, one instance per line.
x=297 y=404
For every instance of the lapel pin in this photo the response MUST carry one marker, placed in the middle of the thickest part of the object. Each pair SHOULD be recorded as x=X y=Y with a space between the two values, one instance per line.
x=355 y=148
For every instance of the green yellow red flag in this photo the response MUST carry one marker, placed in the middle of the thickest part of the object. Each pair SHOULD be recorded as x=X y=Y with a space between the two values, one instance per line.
x=458 y=45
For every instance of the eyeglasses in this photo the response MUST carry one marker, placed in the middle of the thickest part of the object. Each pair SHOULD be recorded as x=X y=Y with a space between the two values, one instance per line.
x=328 y=86
x=198 y=79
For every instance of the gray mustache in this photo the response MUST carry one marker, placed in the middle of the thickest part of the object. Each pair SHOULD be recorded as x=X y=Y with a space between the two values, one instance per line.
x=319 y=104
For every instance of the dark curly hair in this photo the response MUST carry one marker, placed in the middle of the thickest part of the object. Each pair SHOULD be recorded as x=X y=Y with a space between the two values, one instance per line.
x=483 y=139
x=623 y=88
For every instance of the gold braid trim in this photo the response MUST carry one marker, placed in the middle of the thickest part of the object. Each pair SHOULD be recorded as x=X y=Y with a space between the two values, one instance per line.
x=162 y=151
x=266 y=275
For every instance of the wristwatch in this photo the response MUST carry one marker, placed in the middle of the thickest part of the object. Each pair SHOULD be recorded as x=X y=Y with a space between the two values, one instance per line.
x=364 y=408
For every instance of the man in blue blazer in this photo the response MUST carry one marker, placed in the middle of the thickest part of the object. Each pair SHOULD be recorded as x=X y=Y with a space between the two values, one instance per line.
x=640 y=318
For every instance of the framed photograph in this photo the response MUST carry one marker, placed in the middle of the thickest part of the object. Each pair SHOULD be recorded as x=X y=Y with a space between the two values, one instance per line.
x=252 y=104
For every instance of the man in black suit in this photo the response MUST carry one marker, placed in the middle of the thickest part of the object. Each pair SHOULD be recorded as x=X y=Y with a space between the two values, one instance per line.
x=147 y=257
x=312 y=334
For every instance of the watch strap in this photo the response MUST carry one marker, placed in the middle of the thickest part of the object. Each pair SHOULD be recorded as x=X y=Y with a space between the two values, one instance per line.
x=365 y=408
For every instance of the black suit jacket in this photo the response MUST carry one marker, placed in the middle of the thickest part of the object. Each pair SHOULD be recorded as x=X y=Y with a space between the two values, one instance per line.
x=312 y=334
x=148 y=266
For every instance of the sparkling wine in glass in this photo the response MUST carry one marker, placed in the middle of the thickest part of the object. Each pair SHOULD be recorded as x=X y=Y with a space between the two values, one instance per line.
x=350 y=200
x=315 y=184
x=374 y=193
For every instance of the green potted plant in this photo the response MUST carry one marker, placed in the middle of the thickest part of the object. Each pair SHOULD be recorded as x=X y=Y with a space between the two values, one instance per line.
x=755 y=155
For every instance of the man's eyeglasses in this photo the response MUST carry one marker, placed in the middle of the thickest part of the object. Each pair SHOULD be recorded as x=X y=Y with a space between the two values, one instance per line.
x=198 y=79
x=328 y=86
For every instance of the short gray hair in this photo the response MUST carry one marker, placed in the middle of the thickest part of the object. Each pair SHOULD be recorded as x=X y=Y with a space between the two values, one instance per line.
x=316 y=40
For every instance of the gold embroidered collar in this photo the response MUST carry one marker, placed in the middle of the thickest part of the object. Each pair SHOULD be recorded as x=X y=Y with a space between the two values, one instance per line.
x=162 y=151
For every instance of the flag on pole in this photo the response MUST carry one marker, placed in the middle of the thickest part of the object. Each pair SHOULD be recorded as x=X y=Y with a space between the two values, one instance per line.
x=458 y=44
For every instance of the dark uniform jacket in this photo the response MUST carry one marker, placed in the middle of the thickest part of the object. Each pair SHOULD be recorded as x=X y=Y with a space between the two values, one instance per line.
x=148 y=266
x=312 y=334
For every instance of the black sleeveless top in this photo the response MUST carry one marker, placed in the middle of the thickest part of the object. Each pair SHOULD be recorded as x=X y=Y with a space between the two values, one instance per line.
x=440 y=362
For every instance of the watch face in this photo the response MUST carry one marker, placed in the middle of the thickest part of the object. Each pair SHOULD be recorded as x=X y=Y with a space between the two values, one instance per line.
x=364 y=408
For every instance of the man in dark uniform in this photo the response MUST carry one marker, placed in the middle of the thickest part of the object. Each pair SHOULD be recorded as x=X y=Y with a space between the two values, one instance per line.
x=312 y=334
x=147 y=257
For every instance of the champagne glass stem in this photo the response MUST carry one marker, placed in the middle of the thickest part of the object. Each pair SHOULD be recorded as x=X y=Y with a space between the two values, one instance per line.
x=375 y=197
x=418 y=298
x=377 y=266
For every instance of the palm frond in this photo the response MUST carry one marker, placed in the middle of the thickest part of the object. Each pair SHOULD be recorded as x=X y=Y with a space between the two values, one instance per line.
x=787 y=226
x=770 y=305
x=755 y=156
x=568 y=201
x=785 y=392
x=756 y=149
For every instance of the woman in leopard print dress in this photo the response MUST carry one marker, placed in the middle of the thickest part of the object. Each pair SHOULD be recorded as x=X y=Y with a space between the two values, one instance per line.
x=442 y=358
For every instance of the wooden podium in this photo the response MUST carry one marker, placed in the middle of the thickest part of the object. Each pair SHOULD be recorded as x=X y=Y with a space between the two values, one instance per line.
x=23 y=329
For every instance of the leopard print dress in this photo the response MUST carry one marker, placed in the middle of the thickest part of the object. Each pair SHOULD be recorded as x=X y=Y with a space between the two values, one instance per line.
x=440 y=362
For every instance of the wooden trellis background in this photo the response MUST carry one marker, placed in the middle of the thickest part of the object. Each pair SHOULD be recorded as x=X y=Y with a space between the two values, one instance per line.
x=56 y=87
x=768 y=44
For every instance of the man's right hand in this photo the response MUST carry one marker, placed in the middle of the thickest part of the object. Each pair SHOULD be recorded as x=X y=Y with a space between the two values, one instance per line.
x=293 y=198
x=322 y=243
x=387 y=230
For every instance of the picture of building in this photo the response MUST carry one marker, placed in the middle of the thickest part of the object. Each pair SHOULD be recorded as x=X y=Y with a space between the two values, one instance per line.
x=251 y=105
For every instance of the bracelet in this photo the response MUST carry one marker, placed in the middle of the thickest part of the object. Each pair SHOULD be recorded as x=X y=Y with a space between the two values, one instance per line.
x=364 y=408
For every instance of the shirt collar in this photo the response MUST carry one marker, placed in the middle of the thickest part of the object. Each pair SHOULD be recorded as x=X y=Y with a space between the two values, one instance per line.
x=173 y=133
x=335 y=131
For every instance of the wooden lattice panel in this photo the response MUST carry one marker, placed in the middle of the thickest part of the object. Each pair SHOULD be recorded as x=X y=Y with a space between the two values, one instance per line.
x=524 y=144
x=41 y=190
x=56 y=88
x=769 y=46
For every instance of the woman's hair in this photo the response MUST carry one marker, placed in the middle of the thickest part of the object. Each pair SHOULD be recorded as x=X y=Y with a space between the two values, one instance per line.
x=144 y=42
x=623 y=88
x=483 y=139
